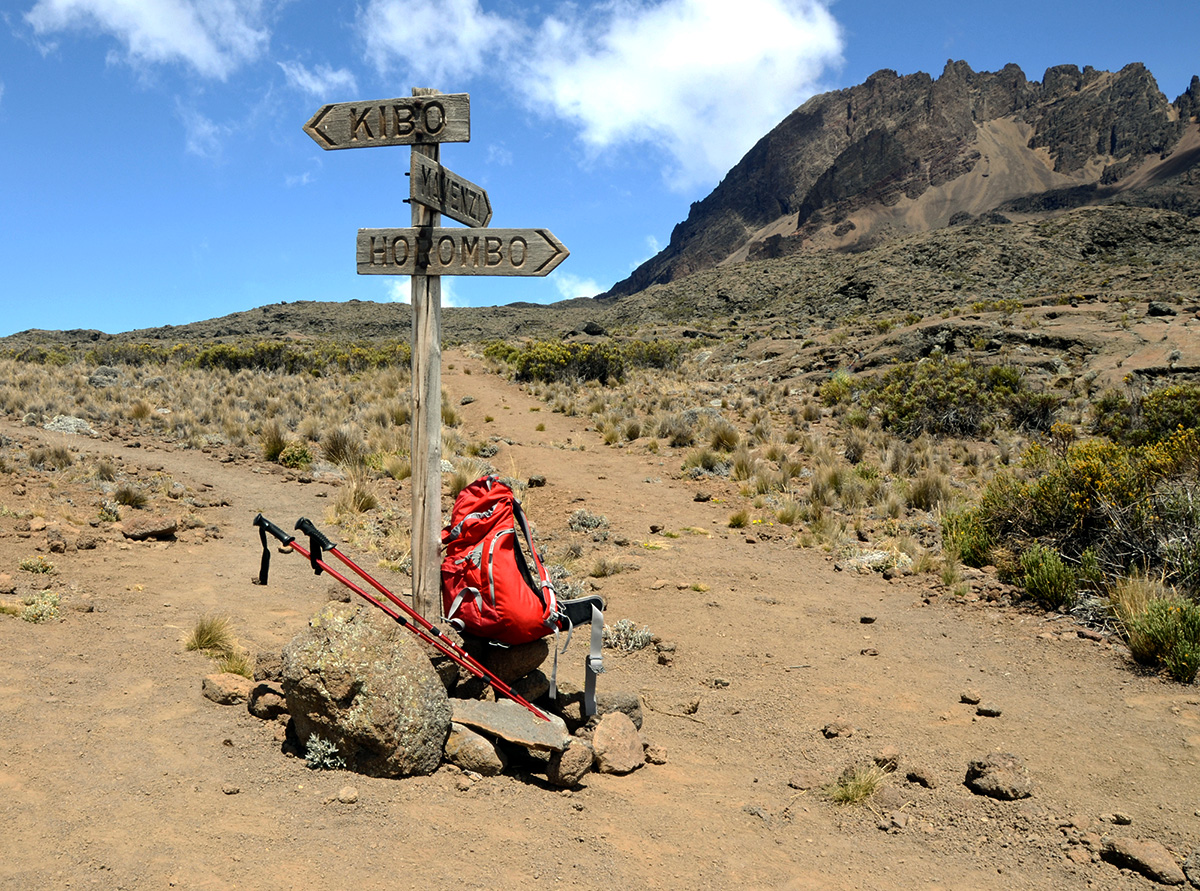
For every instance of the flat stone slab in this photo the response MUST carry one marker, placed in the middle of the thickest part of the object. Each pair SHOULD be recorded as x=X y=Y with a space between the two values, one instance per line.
x=512 y=722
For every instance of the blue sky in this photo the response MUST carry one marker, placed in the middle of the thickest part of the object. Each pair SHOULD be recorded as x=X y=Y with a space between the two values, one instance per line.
x=153 y=169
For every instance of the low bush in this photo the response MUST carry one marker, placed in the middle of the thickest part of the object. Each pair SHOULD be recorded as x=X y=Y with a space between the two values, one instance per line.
x=1046 y=578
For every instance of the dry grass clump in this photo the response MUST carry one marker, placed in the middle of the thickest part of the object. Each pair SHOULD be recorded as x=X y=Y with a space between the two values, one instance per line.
x=856 y=784
x=212 y=635
x=344 y=447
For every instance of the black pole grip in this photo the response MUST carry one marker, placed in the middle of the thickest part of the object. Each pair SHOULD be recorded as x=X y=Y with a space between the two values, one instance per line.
x=306 y=526
x=267 y=526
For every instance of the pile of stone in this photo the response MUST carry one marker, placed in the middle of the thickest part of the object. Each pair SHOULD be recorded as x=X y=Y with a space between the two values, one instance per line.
x=355 y=690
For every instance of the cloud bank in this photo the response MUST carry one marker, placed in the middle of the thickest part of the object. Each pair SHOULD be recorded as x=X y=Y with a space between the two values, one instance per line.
x=699 y=80
x=213 y=37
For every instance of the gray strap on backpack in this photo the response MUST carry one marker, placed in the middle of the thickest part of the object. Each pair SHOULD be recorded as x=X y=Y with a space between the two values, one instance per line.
x=594 y=664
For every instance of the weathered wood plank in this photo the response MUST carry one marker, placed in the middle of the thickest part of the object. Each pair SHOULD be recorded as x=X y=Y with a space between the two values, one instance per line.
x=427 y=422
x=445 y=191
x=458 y=251
x=429 y=118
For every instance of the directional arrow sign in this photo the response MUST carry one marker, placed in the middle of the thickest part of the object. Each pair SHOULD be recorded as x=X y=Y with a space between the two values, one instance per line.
x=444 y=117
x=430 y=251
x=434 y=186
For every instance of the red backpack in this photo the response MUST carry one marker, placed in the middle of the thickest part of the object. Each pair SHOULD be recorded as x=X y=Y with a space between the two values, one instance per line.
x=495 y=586
x=493 y=582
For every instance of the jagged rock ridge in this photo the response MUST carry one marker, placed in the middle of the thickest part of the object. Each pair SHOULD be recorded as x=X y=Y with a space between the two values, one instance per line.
x=898 y=154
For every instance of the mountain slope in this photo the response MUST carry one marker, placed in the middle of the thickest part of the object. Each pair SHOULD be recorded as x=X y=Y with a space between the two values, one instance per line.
x=909 y=153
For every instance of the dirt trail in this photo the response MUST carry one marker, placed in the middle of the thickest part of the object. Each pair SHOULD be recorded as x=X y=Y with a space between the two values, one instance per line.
x=116 y=773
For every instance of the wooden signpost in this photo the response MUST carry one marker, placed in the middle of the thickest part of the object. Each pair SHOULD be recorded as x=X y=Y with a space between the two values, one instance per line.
x=426 y=252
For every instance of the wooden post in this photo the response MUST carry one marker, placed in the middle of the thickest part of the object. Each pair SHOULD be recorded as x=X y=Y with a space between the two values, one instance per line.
x=427 y=417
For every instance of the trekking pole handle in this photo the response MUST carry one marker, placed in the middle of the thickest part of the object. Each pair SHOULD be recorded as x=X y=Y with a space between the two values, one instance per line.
x=306 y=526
x=263 y=523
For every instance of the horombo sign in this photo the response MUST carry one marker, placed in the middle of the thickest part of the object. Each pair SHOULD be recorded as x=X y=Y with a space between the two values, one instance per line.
x=426 y=251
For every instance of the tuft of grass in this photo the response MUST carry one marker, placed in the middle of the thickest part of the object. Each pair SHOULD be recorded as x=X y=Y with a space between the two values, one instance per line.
x=739 y=520
x=357 y=496
x=606 y=566
x=130 y=496
x=237 y=661
x=856 y=784
x=212 y=635
x=273 y=440
x=344 y=447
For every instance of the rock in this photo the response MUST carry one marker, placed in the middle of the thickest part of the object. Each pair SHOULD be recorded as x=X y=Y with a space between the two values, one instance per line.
x=1143 y=856
x=268 y=666
x=989 y=711
x=570 y=705
x=999 y=776
x=617 y=744
x=143 y=528
x=835 y=729
x=533 y=686
x=970 y=697
x=67 y=424
x=1158 y=308
x=567 y=768
x=226 y=689
x=921 y=776
x=595 y=329
x=1191 y=868
x=536 y=481
x=347 y=795
x=888 y=759
x=355 y=678
x=807 y=779
x=655 y=754
x=471 y=751
x=510 y=721
x=266 y=701
x=508 y=663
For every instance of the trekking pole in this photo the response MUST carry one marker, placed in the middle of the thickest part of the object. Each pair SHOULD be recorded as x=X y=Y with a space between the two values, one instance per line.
x=435 y=639
x=318 y=542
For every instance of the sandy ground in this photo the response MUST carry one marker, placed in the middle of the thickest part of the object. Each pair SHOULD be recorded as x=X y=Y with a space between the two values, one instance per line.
x=116 y=773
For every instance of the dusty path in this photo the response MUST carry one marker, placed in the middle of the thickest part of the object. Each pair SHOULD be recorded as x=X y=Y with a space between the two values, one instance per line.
x=116 y=773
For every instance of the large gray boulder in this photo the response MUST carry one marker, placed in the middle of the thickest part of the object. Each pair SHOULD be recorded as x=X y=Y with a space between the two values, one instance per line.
x=360 y=681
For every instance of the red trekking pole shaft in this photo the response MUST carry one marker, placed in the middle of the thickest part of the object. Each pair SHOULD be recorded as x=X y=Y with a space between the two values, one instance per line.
x=437 y=641
x=322 y=541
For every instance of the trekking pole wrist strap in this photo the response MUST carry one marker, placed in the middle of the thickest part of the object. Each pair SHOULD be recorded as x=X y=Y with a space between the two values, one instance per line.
x=318 y=542
x=266 y=526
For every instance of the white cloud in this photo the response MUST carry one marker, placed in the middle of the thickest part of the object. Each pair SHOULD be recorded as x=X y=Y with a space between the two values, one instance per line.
x=214 y=37
x=571 y=286
x=400 y=291
x=435 y=40
x=203 y=136
x=1 y=91
x=321 y=81
x=694 y=76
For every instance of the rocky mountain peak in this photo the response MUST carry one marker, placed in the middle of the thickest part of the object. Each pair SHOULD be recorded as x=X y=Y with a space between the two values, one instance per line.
x=898 y=154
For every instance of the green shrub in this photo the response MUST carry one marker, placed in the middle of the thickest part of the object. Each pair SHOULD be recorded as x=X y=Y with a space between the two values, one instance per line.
x=1169 y=636
x=41 y=607
x=1046 y=578
x=965 y=535
x=295 y=455
x=1148 y=418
